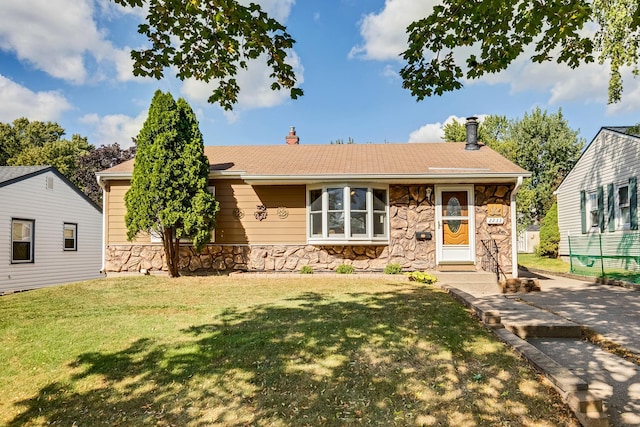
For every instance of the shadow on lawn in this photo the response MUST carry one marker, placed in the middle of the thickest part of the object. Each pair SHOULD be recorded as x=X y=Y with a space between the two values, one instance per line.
x=410 y=357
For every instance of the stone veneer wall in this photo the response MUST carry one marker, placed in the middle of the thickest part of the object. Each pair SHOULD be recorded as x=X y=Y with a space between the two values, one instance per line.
x=486 y=196
x=411 y=210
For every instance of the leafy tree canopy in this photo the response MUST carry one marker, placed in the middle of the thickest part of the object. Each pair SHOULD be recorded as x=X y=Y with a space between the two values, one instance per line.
x=62 y=154
x=497 y=32
x=103 y=157
x=23 y=134
x=342 y=141
x=209 y=40
x=169 y=188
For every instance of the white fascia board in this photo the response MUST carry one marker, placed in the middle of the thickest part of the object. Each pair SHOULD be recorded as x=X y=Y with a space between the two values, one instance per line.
x=104 y=177
x=110 y=176
x=391 y=179
x=226 y=174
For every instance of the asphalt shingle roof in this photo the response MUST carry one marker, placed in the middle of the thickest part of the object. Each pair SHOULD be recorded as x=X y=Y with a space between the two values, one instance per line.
x=9 y=173
x=352 y=159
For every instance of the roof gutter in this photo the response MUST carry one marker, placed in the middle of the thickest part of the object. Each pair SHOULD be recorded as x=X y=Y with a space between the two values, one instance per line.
x=453 y=175
x=395 y=178
x=514 y=229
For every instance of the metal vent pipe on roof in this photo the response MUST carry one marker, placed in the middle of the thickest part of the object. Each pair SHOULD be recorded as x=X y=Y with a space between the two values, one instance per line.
x=472 y=133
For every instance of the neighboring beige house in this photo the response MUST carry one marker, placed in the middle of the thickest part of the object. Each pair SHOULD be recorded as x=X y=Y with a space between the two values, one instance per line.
x=600 y=194
x=529 y=239
x=50 y=231
x=425 y=206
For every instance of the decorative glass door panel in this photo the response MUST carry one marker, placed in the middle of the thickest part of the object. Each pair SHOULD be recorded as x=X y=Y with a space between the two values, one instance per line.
x=455 y=222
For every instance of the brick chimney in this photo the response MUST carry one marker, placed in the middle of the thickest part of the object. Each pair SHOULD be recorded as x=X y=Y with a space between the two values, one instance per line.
x=472 y=134
x=292 y=138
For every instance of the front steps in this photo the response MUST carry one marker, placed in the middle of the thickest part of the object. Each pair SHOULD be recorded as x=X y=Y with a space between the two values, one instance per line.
x=476 y=283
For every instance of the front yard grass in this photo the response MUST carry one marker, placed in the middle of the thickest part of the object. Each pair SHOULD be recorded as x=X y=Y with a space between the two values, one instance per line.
x=553 y=265
x=238 y=351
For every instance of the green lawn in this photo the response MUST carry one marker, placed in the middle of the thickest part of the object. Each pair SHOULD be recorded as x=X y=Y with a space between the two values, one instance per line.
x=543 y=263
x=532 y=261
x=234 y=351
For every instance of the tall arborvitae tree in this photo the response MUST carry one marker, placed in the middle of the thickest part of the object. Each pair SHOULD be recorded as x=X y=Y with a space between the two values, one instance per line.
x=169 y=194
x=549 y=234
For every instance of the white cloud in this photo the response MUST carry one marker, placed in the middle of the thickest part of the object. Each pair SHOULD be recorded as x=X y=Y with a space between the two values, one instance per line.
x=385 y=33
x=434 y=132
x=390 y=73
x=255 y=86
x=277 y=9
x=431 y=132
x=588 y=83
x=112 y=128
x=58 y=37
x=17 y=101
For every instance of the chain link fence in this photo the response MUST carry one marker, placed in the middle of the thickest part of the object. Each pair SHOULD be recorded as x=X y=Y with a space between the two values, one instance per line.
x=614 y=256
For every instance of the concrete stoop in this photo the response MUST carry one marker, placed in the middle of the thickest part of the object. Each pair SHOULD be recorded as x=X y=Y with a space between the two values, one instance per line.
x=520 y=321
x=466 y=277
x=476 y=282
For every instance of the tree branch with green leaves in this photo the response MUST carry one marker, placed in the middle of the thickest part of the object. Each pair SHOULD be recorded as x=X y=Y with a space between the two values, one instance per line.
x=210 y=40
x=499 y=32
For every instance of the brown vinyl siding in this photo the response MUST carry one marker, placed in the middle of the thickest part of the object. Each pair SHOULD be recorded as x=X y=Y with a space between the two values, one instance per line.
x=235 y=194
x=231 y=194
x=115 y=209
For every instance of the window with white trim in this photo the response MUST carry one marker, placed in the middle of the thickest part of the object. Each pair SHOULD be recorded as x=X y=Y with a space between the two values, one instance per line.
x=622 y=206
x=70 y=237
x=22 y=240
x=592 y=209
x=347 y=214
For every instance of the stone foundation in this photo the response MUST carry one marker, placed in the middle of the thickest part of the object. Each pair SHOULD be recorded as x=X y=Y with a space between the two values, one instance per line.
x=411 y=210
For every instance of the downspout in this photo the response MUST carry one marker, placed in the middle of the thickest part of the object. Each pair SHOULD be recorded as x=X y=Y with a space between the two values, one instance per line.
x=104 y=225
x=514 y=229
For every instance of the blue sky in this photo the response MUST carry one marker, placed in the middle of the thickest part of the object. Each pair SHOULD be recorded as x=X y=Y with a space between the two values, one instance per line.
x=68 y=61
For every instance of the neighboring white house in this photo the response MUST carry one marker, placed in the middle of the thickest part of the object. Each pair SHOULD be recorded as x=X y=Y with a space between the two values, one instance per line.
x=50 y=232
x=600 y=194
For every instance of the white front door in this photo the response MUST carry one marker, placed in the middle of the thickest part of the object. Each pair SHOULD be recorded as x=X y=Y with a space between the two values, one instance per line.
x=455 y=224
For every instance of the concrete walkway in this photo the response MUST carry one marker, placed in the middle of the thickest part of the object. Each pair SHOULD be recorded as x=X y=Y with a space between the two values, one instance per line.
x=542 y=327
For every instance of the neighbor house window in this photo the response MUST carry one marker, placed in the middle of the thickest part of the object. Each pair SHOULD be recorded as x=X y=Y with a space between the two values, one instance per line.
x=22 y=240
x=347 y=213
x=592 y=209
x=622 y=206
x=70 y=237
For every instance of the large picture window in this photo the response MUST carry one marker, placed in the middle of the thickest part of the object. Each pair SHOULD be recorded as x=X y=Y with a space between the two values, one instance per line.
x=22 y=240
x=347 y=214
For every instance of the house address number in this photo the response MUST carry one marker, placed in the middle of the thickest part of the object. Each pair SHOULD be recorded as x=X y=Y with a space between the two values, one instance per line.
x=495 y=220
